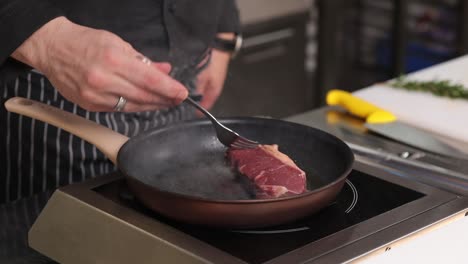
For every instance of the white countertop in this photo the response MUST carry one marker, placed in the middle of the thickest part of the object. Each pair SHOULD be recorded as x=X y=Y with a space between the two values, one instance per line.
x=446 y=244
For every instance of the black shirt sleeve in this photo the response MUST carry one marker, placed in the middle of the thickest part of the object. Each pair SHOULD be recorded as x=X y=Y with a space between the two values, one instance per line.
x=229 y=19
x=19 y=19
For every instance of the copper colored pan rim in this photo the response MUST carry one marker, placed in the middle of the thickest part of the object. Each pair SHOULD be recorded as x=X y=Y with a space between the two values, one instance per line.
x=253 y=201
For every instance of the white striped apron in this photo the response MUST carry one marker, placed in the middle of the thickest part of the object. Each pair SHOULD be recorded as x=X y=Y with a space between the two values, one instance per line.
x=36 y=157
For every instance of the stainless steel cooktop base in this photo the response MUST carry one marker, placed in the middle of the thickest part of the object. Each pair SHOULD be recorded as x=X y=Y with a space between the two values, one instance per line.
x=78 y=225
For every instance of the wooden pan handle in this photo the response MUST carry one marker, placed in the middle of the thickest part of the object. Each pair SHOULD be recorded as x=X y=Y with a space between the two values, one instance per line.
x=105 y=139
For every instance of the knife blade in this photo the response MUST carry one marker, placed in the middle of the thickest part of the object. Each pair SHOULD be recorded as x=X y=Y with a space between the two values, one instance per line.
x=385 y=123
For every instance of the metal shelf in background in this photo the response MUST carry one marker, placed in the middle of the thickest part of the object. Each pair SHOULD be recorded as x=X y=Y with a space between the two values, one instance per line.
x=399 y=36
x=462 y=46
x=328 y=51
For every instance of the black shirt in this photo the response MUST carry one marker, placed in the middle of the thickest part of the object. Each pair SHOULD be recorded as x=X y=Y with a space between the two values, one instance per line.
x=177 y=31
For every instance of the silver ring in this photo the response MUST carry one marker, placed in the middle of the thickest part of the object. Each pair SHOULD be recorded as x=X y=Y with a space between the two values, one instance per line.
x=144 y=59
x=120 y=104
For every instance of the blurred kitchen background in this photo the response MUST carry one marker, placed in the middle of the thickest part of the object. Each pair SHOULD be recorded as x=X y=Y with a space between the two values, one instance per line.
x=296 y=50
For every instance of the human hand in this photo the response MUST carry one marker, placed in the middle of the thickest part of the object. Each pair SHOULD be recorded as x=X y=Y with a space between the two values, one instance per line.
x=211 y=80
x=93 y=68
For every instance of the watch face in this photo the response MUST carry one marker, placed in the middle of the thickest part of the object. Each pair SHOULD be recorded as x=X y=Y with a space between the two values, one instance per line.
x=238 y=45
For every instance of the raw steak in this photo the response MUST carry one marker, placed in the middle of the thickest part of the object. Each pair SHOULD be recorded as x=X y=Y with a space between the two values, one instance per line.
x=273 y=173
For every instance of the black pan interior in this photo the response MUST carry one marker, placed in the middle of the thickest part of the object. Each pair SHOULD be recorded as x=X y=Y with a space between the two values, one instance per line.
x=188 y=159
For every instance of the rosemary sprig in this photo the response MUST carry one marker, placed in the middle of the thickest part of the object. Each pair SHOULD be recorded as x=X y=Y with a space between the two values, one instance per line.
x=443 y=88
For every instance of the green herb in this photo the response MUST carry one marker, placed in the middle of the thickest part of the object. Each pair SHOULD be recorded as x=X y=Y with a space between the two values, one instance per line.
x=442 y=88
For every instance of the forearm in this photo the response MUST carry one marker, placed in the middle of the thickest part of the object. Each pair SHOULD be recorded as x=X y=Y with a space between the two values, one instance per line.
x=226 y=35
x=19 y=19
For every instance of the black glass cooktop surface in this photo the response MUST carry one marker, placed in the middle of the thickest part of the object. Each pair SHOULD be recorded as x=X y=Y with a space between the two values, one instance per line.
x=362 y=197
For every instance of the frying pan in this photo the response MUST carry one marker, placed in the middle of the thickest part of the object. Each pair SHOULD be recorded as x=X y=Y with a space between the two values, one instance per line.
x=181 y=172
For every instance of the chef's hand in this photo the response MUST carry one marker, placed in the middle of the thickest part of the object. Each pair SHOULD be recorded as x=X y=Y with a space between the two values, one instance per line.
x=211 y=80
x=93 y=68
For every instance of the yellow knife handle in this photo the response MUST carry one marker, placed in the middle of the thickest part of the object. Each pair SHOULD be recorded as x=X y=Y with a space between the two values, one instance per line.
x=359 y=107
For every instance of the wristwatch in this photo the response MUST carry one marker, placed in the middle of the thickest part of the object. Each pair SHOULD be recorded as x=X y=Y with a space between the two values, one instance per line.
x=232 y=46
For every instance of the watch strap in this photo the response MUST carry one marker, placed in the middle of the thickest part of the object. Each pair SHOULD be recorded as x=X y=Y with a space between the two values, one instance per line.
x=232 y=46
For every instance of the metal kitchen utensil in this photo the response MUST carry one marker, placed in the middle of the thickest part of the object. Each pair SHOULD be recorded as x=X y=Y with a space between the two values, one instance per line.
x=225 y=135
x=383 y=122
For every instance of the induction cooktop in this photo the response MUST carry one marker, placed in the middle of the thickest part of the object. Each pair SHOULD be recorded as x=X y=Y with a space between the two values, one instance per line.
x=100 y=220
